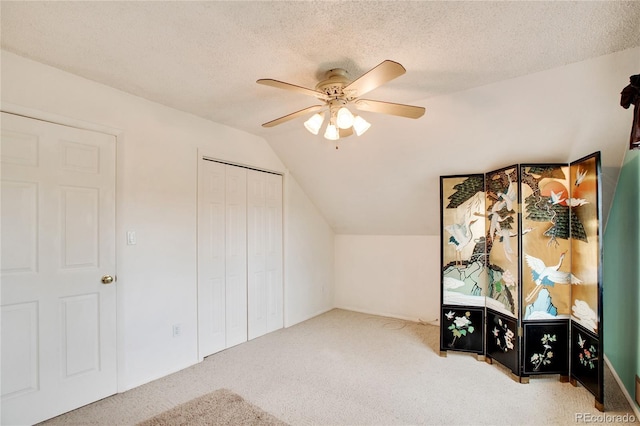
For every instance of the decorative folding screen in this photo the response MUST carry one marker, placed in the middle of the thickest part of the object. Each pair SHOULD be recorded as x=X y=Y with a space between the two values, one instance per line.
x=521 y=269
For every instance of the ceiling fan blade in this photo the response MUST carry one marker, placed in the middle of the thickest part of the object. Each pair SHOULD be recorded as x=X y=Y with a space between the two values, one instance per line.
x=400 y=110
x=375 y=77
x=293 y=115
x=288 y=86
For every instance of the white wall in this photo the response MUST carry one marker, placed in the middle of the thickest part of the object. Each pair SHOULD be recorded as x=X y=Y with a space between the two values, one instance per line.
x=308 y=258
x=157 y=153
x=395 y=276
x=571 y=111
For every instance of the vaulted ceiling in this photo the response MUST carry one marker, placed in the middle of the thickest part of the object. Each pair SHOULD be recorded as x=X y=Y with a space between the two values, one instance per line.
x=205 y=57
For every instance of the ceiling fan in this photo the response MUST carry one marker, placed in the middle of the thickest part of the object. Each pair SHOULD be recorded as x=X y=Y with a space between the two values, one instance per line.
x=337 y=91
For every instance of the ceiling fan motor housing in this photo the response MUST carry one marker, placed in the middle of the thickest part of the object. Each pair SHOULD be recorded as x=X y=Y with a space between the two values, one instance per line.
x=335 y=81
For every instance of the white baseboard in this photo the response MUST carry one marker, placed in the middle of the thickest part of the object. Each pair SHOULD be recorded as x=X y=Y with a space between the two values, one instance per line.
x=382 y=314
x=320 y=312
x=632 y=402
x=158 y=376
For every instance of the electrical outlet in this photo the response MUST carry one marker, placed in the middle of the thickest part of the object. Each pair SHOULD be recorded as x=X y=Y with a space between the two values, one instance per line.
x=177 y=330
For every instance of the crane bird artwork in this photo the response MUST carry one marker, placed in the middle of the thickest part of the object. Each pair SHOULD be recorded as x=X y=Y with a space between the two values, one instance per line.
x=461 y=236
x=580 y=175
x=505 y=235
x=544 y=275
x=505 y=199
x=510 y=195
x=556 y=198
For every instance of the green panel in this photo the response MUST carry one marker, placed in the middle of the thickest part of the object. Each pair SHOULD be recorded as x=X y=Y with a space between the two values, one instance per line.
x=622 y=275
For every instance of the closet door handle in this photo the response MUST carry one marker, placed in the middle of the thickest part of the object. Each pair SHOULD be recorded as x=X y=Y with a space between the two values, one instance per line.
x=106 y=279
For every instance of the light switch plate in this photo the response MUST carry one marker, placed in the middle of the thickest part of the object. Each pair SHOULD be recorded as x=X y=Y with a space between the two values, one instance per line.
x=131 y=238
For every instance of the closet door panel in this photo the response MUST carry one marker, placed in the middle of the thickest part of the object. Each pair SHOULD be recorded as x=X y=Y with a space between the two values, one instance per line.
x=256 y=262
x=273 y=252
x=236 y=255
x=211 y=258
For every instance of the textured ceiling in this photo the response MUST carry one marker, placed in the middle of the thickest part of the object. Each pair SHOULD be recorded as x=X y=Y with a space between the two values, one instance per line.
x=204 y=58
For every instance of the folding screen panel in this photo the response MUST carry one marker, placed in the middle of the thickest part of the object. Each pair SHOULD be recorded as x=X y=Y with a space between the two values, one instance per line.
x=463 y=263
x=587 y=365
x=503 y=271
x=521 y=274
x=546 y=267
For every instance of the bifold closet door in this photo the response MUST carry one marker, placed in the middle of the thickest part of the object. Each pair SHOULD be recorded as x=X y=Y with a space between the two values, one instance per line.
x=264 y=245
x=211 y=258
x=236 y=251
x=222 y=258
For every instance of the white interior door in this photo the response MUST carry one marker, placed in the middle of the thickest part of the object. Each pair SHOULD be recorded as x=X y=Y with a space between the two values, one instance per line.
x=222 y=256
x=264 y=244
x=211 y=258
x=58 y=240
x=273 y=250
x=236 y=251
x=256 y=256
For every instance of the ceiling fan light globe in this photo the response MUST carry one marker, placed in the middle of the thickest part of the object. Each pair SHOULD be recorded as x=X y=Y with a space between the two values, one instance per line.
x=360 y=125
x=332 y=133
x=314 y=123
x=344 y=118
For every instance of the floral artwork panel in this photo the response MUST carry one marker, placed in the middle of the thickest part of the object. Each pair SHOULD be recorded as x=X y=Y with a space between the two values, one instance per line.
x=586 y=360
x=546 y=347
x=464 y=277
x=586 y=252
x=462 y=329
x=547 y=228
x=502 y=240
x=502 y=340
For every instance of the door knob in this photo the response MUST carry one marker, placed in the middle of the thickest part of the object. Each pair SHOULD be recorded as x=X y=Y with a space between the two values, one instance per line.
x=106 y=279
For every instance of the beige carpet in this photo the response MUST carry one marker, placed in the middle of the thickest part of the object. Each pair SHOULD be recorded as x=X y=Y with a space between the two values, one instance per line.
x=346 y=368
x=221 y=407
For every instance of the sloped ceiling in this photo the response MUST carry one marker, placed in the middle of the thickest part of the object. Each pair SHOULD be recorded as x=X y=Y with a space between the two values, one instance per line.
x=204 y=58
